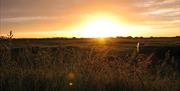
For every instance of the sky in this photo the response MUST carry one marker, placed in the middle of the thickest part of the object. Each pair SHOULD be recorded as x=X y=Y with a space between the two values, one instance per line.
x=58 y=18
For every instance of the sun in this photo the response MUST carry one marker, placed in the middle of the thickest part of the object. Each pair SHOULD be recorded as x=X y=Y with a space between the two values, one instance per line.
x=102 y=26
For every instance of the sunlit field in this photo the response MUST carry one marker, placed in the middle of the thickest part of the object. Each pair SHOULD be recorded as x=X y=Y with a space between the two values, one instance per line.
x=89 y=45
x=90 y=64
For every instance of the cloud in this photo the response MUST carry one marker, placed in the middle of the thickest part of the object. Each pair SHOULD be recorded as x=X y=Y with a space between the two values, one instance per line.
x=25 y=19
x=163 y=11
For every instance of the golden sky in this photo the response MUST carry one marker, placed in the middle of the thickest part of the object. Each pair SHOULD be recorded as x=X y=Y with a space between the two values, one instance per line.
x=63 y=18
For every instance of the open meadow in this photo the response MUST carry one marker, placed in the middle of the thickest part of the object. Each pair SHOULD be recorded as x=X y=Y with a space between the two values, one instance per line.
x=90 y=64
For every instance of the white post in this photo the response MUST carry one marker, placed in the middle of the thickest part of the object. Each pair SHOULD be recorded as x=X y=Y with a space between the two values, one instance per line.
x=138 y=47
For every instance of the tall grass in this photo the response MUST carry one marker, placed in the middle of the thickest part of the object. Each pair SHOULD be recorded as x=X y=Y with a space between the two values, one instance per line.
x=84 y=69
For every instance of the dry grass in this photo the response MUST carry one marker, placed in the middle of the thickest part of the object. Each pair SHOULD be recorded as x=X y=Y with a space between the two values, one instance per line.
x=78 y=69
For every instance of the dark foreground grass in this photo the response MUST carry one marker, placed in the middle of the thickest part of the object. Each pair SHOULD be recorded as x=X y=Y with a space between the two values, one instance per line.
x=89 y=69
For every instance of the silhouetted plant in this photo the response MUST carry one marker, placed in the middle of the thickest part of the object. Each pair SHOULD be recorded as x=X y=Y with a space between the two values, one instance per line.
x=10 y=35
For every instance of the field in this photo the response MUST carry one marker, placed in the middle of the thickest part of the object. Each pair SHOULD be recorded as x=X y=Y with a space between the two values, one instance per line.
x=89 y=64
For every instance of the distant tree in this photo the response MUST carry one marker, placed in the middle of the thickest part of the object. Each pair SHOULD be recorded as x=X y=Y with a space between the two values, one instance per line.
x=151 y=37
x=141 y=37
x=73 y=37
x=129 y=37
x=119 y=37
x=136 y=37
